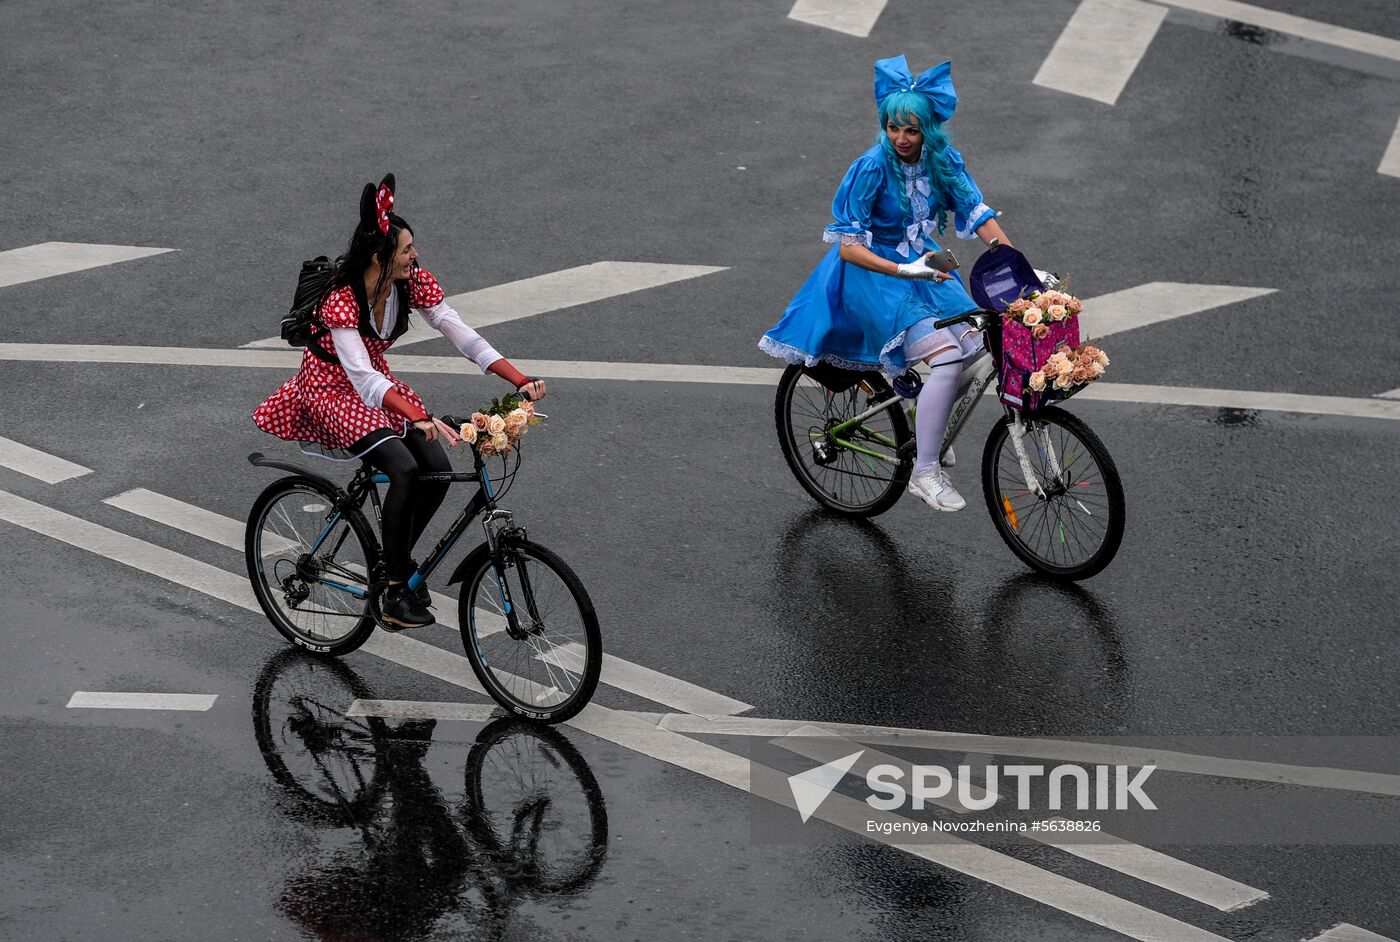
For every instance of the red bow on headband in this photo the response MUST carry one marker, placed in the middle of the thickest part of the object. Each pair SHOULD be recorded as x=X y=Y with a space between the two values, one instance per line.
x=384 y=204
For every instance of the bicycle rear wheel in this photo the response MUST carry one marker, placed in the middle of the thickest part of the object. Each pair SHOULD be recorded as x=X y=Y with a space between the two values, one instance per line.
x=530 y=631
x=1074 y=530
x=851 y=482
x=311 y=565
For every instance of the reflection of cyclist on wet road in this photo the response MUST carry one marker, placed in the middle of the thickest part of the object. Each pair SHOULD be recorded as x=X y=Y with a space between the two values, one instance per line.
x=415 y=861
x=529 y=822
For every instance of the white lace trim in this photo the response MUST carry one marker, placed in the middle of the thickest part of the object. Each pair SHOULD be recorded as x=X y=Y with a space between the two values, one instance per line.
x=917 y=189
x=790 y=354
x=970 y=232
x=848 y=238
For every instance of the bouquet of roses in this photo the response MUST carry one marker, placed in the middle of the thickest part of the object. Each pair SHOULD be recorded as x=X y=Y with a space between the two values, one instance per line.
x=1068 y=367
x=1039 y=309
x=495 y=430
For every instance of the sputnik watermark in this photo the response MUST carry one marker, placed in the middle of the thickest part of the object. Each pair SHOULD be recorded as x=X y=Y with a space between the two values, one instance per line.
x=1105 y=788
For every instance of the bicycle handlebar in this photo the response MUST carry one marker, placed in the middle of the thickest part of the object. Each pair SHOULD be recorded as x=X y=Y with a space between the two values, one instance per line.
x=962 y=318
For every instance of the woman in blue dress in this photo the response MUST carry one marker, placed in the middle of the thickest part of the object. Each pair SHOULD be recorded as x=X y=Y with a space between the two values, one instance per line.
x=872 y=301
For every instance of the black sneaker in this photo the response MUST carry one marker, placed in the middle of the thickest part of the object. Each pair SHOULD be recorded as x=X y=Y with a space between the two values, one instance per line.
x=404 y=609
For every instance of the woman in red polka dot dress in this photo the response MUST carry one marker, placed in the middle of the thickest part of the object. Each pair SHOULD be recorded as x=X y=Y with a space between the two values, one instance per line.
x=345 y=398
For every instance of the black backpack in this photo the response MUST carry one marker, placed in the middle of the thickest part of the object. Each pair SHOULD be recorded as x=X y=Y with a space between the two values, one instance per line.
x=299 y=325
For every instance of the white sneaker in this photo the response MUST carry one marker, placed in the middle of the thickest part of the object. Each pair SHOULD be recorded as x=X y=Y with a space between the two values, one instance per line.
x=949 y=459
x=935 y=489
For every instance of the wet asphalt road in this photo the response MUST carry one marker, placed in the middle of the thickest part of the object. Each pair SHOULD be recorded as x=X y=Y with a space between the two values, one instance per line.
x=1254 y=594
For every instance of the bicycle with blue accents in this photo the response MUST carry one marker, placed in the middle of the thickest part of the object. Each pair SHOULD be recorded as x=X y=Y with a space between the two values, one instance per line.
x=527 y=624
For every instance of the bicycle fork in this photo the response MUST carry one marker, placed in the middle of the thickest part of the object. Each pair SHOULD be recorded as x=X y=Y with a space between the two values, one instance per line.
x=499 y=523
x=971 y=385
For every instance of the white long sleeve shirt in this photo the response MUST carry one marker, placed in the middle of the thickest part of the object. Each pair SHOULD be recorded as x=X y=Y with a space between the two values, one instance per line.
x=372 y=384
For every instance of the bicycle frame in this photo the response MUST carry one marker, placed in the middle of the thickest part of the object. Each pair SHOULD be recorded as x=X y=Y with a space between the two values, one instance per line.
x=972 y=384
x=495 y=522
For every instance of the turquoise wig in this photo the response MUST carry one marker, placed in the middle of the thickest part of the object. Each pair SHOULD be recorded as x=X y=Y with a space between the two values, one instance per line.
x=909 y=107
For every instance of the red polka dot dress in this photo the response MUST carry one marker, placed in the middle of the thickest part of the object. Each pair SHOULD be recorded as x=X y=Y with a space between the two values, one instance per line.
x=320 y=404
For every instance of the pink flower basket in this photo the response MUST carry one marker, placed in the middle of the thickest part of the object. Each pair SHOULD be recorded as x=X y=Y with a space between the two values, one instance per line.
x=1022 y=355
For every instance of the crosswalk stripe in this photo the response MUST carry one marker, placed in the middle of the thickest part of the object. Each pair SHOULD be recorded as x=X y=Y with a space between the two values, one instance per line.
x=974 y=860
x=1390 y=161
x=821 y=745
x=1345 y=932
x=41 y=465
x=1157 y=301
x=1355 y=40
x=569 y=287
x=616 y=672
x=853 y=17
x=1100 y=48
x=110 y=700
x=632 y=732
x=425 y=710
x=179 y=515
x=48 y=259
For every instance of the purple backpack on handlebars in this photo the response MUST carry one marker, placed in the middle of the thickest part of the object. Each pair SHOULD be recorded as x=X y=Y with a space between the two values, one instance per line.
x=1000 y=276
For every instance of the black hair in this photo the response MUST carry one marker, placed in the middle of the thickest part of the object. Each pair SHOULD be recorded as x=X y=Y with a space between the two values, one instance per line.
x=367 y=243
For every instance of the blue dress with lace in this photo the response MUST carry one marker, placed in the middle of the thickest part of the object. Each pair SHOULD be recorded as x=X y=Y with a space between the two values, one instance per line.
x=859 y=319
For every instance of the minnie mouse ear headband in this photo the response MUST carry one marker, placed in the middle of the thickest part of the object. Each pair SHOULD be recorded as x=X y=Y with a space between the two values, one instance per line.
x=893 y=75
x=376 y=203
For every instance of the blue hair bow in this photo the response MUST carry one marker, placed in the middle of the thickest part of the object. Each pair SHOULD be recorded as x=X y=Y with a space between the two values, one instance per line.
x=893 y=75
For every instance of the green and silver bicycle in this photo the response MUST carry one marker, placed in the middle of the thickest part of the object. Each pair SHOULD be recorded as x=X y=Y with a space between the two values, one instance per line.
x=1051 y=487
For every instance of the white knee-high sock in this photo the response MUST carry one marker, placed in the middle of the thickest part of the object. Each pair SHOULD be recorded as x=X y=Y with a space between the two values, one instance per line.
x=935 y=403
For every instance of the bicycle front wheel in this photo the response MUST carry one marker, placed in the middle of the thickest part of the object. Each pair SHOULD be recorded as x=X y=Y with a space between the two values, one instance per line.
x=1073 y=529
x=311 y=565
x=529 y=630
x=858 y=472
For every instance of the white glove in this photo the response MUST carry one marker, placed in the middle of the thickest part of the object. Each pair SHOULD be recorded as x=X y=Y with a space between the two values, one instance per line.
x=919 y=270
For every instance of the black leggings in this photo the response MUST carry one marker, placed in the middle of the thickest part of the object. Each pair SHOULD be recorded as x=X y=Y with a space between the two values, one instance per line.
x=409 y=503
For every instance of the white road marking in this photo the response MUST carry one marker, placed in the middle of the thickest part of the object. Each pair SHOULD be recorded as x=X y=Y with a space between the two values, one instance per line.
x=631 y=731
x=1373 y=408
x=660 y=688
x=616 y=672
x=820 y=745
x=425 y=710
x=178 y=515
x=853 y=17
x=48 y=259
x=1154 y=302
x=1242 y=399
x=1390 y=161
x=1355 y=40
x=1378 y=783
x=1393 y=394
x=216 y=582
x=544 y=293
x=974 y=860
x=129 y=551
x=95 y=700
x=48 y=468
x=1157 y=868
x=1345 y=932
x=1100 y=47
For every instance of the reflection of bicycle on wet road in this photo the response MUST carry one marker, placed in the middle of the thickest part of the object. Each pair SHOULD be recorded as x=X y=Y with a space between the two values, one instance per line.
x=529 y=820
